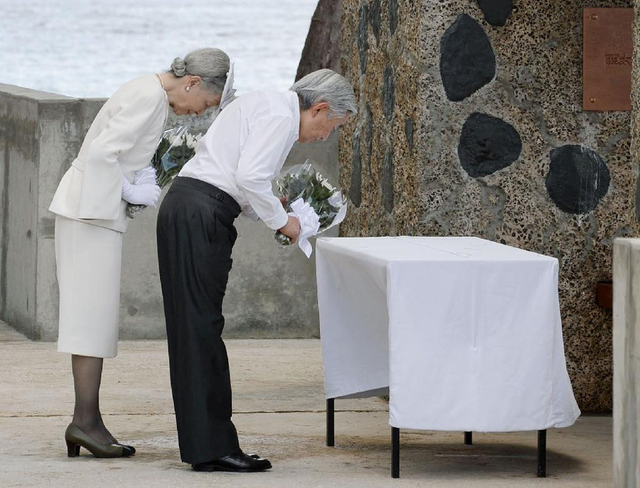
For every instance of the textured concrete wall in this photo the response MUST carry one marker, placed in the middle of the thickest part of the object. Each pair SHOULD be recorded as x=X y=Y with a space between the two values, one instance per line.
x=626 y=351
x=38 y=133
x=469 y=128
x=271 y=290
x=18 y=257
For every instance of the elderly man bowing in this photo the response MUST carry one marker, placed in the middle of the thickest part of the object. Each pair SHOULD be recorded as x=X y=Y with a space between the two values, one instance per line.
x=231 y=173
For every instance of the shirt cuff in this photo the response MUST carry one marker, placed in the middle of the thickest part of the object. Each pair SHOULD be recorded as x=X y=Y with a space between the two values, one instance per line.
x=279 y=221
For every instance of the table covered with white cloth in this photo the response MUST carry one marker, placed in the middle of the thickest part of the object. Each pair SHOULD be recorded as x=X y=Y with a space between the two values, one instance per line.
x=465 y=333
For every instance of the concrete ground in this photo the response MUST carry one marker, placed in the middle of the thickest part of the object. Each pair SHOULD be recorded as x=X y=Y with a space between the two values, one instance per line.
x=279 y=412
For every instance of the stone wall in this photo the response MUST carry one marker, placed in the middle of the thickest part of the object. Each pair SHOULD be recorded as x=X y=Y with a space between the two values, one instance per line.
x=271 y=291
x=471 y=123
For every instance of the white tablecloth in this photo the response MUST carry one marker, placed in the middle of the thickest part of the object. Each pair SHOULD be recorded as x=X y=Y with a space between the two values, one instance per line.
x=465 y=333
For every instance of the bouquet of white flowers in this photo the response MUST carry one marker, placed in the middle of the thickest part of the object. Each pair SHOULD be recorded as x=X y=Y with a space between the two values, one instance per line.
x=310 y=197
x=176 y=147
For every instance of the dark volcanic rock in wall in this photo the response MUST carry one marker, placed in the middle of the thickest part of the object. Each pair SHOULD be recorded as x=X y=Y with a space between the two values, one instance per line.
x=368 y=135
x=496 y=12
x=363 y=36
x=408 y=132
x=467 y=60
x=355 y=188
x=487 y=144
x=374 y=18
x=387 y=180
x=578 y=178
x=393 y=16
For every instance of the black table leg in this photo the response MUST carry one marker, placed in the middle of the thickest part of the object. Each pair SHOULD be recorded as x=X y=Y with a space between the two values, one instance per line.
x=468 y=438
x=395 y=452
x=542 y=454
x=330 y=422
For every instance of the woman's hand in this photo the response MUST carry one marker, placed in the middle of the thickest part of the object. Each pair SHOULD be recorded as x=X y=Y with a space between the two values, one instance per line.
x=143 y=194
x=145 y=176
x=291 y=229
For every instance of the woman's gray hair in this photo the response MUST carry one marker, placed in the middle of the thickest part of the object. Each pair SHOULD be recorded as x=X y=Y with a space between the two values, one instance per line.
x=210 y=64
x=328 y=86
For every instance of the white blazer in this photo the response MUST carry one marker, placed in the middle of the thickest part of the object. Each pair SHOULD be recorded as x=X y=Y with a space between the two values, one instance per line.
x=121 y=140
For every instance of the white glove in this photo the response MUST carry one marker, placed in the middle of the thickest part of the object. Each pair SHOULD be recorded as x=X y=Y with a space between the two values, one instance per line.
x=145 y=176
x=145 y=194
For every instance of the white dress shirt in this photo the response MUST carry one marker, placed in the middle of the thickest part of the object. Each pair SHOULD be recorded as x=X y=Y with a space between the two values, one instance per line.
x=122 y=139
x=244 y=150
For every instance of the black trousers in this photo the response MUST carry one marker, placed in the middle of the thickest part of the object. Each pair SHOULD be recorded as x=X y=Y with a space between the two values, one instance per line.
x=195 y=235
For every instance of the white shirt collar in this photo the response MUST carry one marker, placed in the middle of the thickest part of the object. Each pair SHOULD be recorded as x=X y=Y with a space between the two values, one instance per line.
x=294 y=102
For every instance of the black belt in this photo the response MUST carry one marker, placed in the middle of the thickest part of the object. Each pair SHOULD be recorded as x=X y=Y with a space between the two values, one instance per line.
x=213 y=191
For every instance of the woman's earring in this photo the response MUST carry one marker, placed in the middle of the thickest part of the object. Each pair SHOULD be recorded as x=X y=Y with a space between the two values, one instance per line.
x=188 y=88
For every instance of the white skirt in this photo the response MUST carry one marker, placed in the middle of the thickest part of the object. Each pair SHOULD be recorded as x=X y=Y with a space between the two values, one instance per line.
x=88 y=260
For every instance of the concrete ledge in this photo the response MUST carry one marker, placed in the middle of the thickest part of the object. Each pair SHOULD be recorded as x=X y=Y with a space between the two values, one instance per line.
x=29 y=94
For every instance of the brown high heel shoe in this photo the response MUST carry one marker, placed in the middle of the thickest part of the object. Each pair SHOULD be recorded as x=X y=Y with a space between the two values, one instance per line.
x=76 y=438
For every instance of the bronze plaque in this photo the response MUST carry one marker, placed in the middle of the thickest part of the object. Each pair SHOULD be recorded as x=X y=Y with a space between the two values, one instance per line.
x=606 y=59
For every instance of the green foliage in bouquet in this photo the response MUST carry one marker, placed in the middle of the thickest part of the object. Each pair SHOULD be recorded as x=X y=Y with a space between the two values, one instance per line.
x=174 y=158
x=156 y=161
x=176 y=147
x=306 y=183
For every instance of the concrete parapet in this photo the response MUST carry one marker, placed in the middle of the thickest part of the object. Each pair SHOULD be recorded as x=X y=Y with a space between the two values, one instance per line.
x=40 y=134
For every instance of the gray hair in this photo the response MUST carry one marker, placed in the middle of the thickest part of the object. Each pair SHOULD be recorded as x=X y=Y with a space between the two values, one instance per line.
x=210 y=64
x=328 y=86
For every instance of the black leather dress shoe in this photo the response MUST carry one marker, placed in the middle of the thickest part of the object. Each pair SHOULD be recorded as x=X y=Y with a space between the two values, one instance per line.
x=237 y=462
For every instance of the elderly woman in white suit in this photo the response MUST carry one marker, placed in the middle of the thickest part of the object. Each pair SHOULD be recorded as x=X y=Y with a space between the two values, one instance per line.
x=112 y=170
